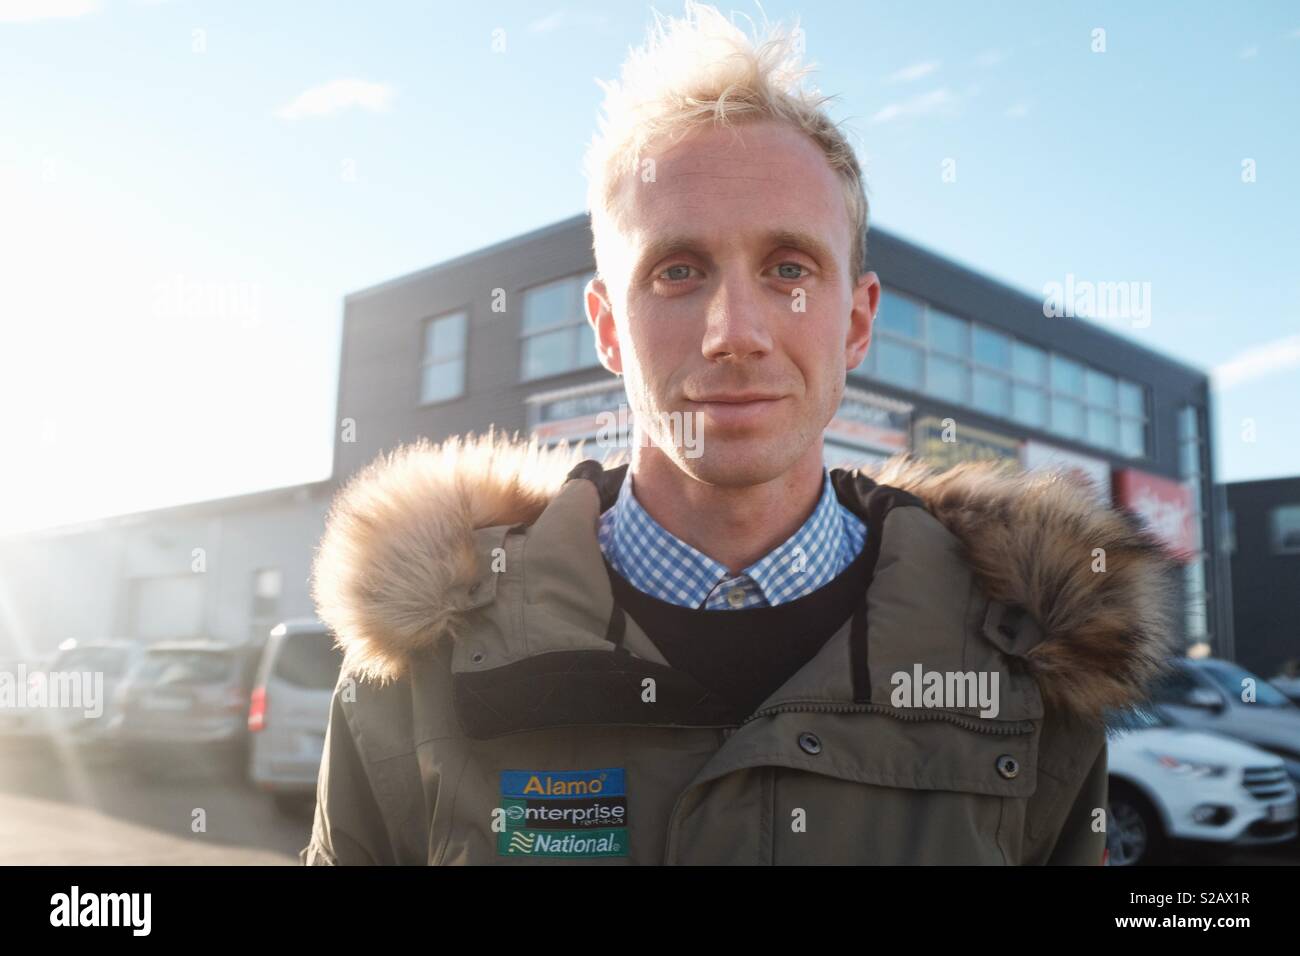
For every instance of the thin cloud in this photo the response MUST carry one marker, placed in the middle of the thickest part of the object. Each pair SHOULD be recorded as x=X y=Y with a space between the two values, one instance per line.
x=989 y=58
x=339 y=95
x=910 y=74
x=922 y=104
x=1259 y=362
x=1018 y=110
x=25 y=11
x=547 y=23
x=1249 y=53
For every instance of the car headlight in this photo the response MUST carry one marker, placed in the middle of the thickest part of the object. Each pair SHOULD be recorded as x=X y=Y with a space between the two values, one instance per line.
x=1186 y=768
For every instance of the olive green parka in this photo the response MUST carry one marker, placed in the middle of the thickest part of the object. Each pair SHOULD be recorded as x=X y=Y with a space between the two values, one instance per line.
x=496 y=706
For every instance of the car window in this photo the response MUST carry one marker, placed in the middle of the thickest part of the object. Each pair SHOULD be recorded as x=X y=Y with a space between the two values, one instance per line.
x=171 y=668
x=1230 y=678
x=309 y=660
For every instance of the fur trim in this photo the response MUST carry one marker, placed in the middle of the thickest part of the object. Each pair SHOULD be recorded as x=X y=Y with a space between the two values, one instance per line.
x=1031 y=539
x=399 y=544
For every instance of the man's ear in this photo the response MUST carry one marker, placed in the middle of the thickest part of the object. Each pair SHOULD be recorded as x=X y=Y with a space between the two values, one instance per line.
x=862 y=318
x=600 y=316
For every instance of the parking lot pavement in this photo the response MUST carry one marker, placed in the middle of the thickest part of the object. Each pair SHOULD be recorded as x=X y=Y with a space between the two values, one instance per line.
x=67 y=808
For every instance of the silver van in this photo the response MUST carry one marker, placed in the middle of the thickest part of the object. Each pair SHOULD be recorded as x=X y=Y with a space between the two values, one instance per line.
x=289 y=710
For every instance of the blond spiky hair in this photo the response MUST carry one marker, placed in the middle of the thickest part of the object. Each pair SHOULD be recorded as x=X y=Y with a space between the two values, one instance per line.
x=702 y=68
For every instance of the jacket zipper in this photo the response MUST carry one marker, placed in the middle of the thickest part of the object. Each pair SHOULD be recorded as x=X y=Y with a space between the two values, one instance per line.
x=969 y=723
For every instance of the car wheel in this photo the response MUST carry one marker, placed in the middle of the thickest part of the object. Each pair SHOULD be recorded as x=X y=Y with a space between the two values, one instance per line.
x=1134 y=836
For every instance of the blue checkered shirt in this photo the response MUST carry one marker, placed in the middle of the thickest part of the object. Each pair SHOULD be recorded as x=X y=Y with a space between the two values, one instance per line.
x=662 y=565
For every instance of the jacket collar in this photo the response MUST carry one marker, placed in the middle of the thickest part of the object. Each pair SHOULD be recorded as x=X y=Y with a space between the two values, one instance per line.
x=411 y=541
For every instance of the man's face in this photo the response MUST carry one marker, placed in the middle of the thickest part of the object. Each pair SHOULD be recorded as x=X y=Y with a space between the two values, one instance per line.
x=727 y=277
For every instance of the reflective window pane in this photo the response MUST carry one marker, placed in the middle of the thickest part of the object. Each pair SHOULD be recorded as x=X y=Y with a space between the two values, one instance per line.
x=992 y=393
x=1067 y=417
x=949 y=334
x=1029 y=363
x=899 y=364
x=444 y=338
x=442 y=380
x=1103 y=428
x=1132 y=437
x=948 y=378
x=1100 y=388
x=992 y=348
x=1131 y=399
x=548 y=354
x=1029 y=405
x=1067 y=376
x=899 y=315
x=549 y=305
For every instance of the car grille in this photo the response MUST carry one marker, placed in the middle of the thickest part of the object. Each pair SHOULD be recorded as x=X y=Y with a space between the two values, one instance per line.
x=1266 y=783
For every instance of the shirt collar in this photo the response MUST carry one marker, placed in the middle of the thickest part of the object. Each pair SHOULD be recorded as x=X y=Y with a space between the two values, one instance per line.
x=659 y=563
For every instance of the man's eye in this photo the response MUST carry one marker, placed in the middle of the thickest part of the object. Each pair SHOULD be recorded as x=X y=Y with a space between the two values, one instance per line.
x=681 y=275
x=791 y=265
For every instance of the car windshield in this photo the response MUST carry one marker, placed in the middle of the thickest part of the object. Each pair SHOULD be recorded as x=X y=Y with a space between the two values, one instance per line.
x=309 y=660
x=1233 y=680
x=170 y=668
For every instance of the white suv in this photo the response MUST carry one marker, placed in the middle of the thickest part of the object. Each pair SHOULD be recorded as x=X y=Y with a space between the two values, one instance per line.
x=1199 y=790
x=289 y=710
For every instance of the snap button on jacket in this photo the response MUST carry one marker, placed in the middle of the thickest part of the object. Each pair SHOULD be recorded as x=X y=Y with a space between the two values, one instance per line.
x=496 y=706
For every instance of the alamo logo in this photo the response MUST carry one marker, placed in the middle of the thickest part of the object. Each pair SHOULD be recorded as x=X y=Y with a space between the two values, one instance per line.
x=566 y=813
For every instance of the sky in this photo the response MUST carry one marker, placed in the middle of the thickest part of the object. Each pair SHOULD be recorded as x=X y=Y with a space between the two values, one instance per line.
x=189 y=189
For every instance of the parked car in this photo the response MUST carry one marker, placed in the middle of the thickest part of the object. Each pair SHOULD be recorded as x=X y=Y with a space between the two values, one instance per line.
x=1206 y=694
x=108 y=661
x=185 y=701
x=1172 y=788
x=1289 y=686
x=289 y=710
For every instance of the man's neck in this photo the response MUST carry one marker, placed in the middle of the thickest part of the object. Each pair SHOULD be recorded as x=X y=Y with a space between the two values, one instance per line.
x=733 y=525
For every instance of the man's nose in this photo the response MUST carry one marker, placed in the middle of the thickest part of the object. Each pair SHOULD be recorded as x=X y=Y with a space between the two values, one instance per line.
x=737 y=319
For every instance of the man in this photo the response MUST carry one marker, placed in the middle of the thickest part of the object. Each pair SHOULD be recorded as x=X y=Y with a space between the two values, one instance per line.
x=720 y=651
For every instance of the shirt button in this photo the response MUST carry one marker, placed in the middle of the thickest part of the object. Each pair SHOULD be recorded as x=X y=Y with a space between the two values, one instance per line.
x=735 y=597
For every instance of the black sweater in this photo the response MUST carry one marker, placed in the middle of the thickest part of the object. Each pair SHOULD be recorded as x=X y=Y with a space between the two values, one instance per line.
x=747 y=654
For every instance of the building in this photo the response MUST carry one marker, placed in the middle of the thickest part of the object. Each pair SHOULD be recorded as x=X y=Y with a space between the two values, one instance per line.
x=960 y=367
x=228 y=570
x=1264 y=541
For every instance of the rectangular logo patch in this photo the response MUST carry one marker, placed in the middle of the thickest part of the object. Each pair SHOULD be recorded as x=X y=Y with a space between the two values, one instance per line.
x=573 y=813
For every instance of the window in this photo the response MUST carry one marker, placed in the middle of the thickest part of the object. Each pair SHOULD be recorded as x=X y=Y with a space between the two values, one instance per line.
x=949 y=335
x=1067 y=417
x=266 y=592
x=1029 y=405
x=1100 y=388
x=992 y=348
x=992 y=393
x=923 y=348
x=1029 y=363
x=1195 y=591
x=1285 y=522
x=899 y=315
x=899 y=364
x=1067 y=376
x=948 y=378
x=442 y=369
x=556 y=335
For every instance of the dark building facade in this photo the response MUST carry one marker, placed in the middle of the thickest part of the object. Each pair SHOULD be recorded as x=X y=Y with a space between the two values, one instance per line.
x=1264 y=533
x=960 y=367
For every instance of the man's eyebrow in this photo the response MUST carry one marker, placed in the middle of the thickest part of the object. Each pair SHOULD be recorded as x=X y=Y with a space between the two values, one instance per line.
x=664 y=246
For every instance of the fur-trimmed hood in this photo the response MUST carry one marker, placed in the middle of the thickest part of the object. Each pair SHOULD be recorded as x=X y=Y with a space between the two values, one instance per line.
x=398 y=555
